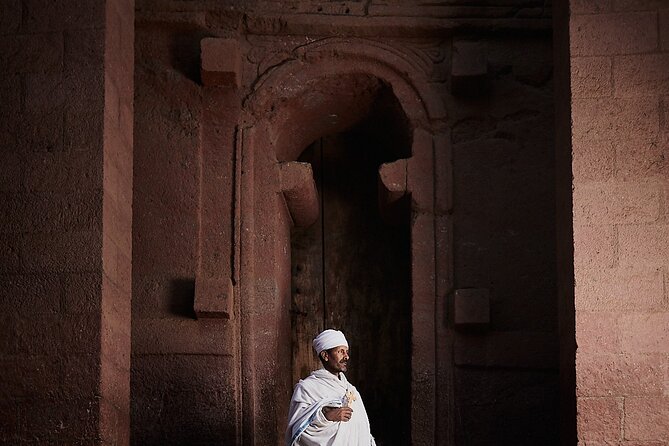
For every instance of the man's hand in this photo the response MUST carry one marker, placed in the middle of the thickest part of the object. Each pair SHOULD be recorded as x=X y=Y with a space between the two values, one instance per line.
x=338 y=413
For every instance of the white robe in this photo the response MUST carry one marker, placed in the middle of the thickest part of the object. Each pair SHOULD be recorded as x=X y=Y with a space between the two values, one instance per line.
x=307 y=425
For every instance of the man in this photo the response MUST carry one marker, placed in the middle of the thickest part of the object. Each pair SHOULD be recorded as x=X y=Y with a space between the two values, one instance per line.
x=326 y=409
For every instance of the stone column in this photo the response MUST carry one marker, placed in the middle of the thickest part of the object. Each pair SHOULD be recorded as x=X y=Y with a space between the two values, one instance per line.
x=619 y=60
x=66 y=120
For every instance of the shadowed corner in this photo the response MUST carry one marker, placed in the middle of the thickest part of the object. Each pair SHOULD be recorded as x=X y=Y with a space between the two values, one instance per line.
x=182 y=298
x=184 y=52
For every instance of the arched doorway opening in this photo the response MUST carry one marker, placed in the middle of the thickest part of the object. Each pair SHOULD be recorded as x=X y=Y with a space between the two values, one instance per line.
x=351 y=268
x=331 y=88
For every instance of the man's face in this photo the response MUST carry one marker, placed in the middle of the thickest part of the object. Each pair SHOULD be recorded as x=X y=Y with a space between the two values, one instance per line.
x=336 y=359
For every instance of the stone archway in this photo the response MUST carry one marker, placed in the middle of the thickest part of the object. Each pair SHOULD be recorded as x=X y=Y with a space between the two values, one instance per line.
x=350 y=269
x=291 y=106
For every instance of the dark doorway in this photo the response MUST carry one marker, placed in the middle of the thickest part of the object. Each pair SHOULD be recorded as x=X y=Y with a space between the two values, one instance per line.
x=351 y=269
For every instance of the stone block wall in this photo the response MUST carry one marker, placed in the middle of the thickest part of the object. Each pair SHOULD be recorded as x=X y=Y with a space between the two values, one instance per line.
x=67 y=226
x=65 y=187
x=620 y=145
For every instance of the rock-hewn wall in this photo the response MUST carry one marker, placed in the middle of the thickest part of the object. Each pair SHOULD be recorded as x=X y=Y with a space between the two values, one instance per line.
x=65 y=191
x=186 y=383
x=620 y=141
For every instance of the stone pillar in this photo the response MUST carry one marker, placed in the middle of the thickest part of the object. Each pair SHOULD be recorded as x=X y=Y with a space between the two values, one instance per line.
x=66 y=119
x=619 y=59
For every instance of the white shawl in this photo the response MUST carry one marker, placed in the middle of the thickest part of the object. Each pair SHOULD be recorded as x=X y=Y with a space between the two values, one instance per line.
x=307 y=425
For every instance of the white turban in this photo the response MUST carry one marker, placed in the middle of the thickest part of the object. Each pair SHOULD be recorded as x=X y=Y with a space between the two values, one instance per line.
x=329 y=339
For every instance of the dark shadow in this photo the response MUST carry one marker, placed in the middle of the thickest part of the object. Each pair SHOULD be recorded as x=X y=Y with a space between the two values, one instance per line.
x=564 y=231
x=184 y=52
x=181 y=400
x=182 y=298
x=352 y=270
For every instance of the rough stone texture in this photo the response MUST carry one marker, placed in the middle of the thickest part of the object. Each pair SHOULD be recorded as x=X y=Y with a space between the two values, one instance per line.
x=591 y=77
x=620 y=216
x=622 y=203
x=647 y=418
x=600 y=418
x=617 y=289
x=620 y=375
x=641 y=75
x=599 y=245
x=598 y=332
x=299 y=79
x=299 y=191
x=479 y=187
x=600 y=34
x=221 y=62
x=614 y=119
x=644 y=157
x=67 y=71
x=177 y=361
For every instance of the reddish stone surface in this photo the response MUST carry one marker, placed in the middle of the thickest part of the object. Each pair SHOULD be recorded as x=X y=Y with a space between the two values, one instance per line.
x=598 y=332
x=620 y=375
x=299 y=191
x=184 y=387
x=591 y=77
x=599 y=245
x=644 y=157
x=615 y=33
x=619 y=270
x=645 y=332
x=221 y=62
x=641 y=75
x=614 y=119
x=618 y=203
x=644 y=245
x=620 y=289
x=100 y=202
x=63 y=346
x=600 y=418
x=647 y=418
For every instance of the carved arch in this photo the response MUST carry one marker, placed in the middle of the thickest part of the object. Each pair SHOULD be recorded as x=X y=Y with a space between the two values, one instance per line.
x=407 y=73
x=263 y=141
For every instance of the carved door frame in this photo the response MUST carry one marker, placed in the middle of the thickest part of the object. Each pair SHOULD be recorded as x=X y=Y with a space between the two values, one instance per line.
x=260 y=288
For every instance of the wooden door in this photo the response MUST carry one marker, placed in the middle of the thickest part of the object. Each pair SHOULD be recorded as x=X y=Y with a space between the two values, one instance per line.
x=351 y=271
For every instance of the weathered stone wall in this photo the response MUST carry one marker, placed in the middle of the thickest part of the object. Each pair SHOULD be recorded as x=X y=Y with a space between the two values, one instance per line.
x=65 y=192
x=188 y=375
x=66 y=141
x=620 y=137
x=182 y=369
